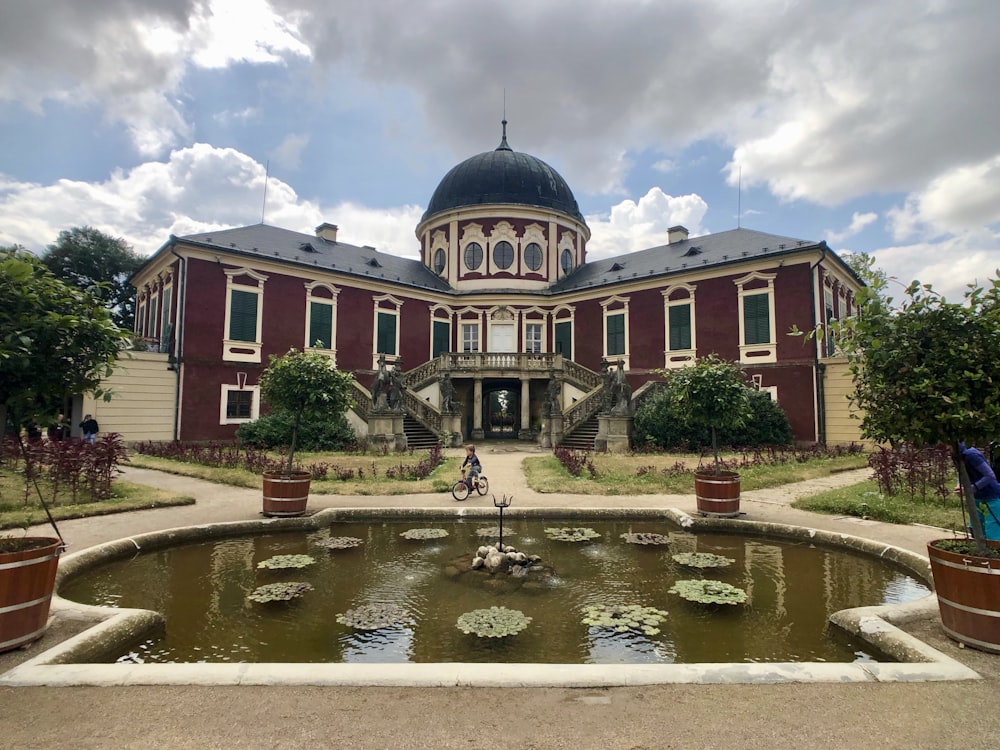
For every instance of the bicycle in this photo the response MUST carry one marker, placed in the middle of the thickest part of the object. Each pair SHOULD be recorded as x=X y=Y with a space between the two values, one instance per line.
x=463 y=487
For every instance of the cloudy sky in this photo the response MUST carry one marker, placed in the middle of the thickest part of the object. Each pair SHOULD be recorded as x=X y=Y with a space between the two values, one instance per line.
x=872 y=125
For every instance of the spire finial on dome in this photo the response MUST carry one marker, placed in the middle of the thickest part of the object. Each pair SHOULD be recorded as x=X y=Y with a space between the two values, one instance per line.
x=503 y=140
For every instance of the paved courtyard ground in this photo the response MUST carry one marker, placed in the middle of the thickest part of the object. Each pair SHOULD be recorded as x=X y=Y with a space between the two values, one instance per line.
x=898 y=715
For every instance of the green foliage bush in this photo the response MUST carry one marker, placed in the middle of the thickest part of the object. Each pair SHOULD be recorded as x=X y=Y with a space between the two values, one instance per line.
x=319 y=431
x=657 y=422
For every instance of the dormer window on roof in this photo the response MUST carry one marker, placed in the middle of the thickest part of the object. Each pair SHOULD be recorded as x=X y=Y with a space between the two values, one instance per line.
x=618 y=267
x=307 y=247
x=692 y=251
x=373 y=262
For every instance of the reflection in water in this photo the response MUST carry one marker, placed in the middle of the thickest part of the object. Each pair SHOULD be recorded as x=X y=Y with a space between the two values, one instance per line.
x=202 y=590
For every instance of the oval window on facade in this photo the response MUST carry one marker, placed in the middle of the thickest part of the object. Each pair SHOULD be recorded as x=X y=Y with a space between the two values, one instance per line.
x=533 y=256
x=473 y=256
x=567 y=261
x=439 y=261
x=503 y=254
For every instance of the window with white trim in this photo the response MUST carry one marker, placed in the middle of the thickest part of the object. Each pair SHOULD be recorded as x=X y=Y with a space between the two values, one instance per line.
x=386 y=328
x=321 y=318
x=679 y=325
x=756 y=318
x=244 y=315
x=829 y=344
x=166 y=327
x=470 y=337
x=238 y=405
x=616 y=329
x=154 y=315
x=533 y=338
x=140 y=318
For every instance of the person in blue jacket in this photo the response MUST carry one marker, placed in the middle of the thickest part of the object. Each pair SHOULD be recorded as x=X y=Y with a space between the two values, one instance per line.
x=986 y=489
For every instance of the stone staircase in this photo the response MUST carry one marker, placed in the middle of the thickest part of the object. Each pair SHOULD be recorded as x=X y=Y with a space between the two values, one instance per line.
x=418 y=436
x=582 y=438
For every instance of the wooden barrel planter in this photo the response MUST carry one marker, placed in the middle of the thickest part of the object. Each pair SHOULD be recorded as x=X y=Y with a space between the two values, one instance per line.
x=718 y=494
x=286 y=494
x=968 y=592
x=27 y=580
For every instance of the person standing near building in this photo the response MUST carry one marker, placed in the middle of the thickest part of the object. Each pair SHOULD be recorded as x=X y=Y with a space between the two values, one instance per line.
x=90 y=428
x=59 y=430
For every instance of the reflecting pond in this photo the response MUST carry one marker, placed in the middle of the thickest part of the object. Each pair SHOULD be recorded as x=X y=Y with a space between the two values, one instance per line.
x=202 y=591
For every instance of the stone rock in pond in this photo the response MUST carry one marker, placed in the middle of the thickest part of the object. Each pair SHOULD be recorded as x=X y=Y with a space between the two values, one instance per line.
x=519 y=571
x=495 y=560
x=477 y=563
x=535 y=558
x=512 y=556
x=520 y=557
x=483 y=551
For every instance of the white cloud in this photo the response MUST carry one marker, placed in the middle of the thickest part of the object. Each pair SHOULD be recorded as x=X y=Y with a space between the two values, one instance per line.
x=288 y=154
x=858 y=222
x=638 y=225
x=196 y=189
x=130 y=59
x=959 y=199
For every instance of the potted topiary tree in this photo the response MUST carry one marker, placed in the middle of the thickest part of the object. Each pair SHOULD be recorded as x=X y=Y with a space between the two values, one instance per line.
x=55 y=341
x=297 y=383
x=713 y=395
x=928 y=372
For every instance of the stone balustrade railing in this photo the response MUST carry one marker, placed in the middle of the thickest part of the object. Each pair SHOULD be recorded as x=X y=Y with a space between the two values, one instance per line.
x=583 y=410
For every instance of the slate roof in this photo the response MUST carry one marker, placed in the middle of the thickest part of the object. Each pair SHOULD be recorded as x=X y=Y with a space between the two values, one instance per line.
x=273 y=243
x=503 y=176
x=710 y=250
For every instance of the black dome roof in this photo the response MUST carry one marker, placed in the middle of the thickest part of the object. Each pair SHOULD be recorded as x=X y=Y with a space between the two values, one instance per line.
x=503 y=176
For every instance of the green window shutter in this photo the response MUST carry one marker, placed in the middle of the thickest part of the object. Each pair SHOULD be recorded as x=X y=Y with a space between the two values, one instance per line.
x=243 y=316
x=320 y=325
x=386 y=338
x=564 y=339
x=680 y=327
x=442 y=338
x=757 y=318
x=616 y=334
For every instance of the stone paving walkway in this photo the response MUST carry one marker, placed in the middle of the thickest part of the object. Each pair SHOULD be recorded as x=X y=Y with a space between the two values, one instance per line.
x=926 y=715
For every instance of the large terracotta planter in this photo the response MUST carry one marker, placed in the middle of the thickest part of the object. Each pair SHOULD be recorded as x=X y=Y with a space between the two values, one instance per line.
x=968 y=592
x=27 y=580
x=718 y=494
x=286 y=494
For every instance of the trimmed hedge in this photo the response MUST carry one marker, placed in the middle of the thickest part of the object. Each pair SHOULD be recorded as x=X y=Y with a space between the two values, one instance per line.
x=318 y=432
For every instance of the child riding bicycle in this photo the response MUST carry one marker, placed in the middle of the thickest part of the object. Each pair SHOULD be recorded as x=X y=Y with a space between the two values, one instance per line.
x=471 y=468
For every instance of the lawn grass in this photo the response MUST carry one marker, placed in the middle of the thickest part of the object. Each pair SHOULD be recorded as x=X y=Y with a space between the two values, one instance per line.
x=372 y=479
x=15 y=513
x=865 y=501
x=620 y=475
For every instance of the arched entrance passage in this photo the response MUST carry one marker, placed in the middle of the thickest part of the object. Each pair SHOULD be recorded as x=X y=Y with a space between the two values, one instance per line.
x=501 y=409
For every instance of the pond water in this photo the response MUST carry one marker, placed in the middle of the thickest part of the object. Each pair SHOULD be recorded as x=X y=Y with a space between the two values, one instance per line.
x=202 y=591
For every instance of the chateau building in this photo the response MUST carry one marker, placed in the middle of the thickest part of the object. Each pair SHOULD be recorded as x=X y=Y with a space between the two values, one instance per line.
x=502 y=300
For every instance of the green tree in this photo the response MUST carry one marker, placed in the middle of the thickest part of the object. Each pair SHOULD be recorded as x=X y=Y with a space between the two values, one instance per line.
x=55 y=340
x=301 y=382
x=928 y=372
x=99 y=263
x=713 y=394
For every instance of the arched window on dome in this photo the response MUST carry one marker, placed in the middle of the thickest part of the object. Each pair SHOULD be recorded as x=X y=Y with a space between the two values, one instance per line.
x=439 y=261
x=566 y=261
x=503 y=255
x=533 y=256
x=473 y=256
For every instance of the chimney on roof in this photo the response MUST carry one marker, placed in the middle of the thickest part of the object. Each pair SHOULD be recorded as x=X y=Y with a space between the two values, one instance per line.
x=676 y=234
x=327 y=232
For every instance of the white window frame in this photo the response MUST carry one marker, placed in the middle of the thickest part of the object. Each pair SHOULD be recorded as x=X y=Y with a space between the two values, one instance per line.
x=534 y=344
x=226 y=388
x=154 y=318
x=829 y=345
x=678 y=357
x=243 y=351
x=572 y=327
x=332 y=303
x=165 y=313
x=448 y=320
x=477 y=339
x=140 y=316
x=608 y=311
x=393 y=308
x=755 y=353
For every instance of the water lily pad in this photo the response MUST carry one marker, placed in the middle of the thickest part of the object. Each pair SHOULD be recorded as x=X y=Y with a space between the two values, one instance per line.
x=424 y=534
x=283 y=562
x=279 y=592
x=374 y=616
x=571 y=534
x=494 y=531
x=495 y=622
x=702 y=560
x=645 y=538
x=709 y=592
x=624 y=617
x=340 y=542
